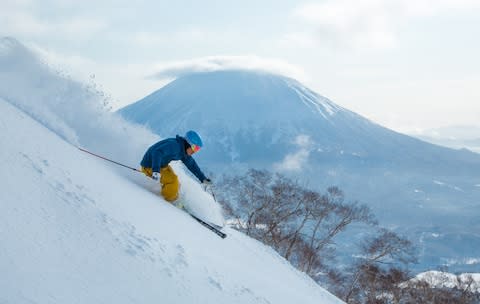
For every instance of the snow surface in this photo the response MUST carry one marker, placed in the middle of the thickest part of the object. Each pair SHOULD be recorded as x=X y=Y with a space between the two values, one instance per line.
x=439 y=279
x=77 y=229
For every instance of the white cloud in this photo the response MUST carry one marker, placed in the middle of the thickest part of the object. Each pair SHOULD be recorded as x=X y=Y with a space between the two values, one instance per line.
x=15 y=20
x=299 y=39
x=84 y=27
x=296 y=161
x=433 y=7
x=21 y=22
x=293 y=162
x=32 y=20
x=350 y=23
x=149 y=39
x=219 y=63
x=303 y=141
x=372 y=24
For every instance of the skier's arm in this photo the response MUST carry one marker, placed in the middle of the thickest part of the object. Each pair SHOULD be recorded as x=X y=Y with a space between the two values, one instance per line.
x=157 y=159
x=191 y=164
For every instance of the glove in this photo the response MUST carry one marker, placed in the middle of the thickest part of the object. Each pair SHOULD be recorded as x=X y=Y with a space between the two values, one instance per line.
x=207 y=182
x=156 y=176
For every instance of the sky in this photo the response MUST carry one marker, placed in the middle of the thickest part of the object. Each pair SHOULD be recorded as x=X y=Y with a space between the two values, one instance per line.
x=406 y=65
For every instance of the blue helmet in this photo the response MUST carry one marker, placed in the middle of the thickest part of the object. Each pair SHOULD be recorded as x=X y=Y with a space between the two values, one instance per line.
x=193 y=138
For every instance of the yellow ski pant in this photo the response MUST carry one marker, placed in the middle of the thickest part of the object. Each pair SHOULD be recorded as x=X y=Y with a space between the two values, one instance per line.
x=168 y=181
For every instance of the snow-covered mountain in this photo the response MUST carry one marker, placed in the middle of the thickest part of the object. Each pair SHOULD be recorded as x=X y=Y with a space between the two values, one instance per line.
x=255 y=119
x=439 y=279
x=240 y=111
x=77 y=229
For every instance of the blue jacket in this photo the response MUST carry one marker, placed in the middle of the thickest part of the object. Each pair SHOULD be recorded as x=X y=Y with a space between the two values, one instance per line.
x=163 y=152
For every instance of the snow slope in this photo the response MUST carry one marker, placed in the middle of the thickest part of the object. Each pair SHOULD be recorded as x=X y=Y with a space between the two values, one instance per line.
x=76 y=229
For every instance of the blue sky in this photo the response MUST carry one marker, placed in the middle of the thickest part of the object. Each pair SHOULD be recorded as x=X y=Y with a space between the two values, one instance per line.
x=407 y=66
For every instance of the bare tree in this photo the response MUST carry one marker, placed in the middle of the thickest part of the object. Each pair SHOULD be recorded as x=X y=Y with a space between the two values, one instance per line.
x=330 y=216
x=387 y=248
x=299 y=223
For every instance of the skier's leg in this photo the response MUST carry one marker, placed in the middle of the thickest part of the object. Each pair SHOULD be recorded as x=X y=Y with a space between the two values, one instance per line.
x=169 y=183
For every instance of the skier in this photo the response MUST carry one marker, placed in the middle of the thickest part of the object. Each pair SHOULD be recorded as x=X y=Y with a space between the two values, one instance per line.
x=155 y=162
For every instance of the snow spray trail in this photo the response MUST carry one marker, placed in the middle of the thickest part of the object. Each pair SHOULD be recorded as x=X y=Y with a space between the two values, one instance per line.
x=75 y=112
x=79 y=114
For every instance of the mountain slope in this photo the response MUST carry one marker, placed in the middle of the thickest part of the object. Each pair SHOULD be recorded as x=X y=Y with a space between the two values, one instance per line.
x=73 y=231
x=76 y=229
x=258 y=120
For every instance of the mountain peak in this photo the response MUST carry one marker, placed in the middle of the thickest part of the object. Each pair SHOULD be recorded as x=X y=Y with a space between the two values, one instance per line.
x=234 y=98
x=253 y=89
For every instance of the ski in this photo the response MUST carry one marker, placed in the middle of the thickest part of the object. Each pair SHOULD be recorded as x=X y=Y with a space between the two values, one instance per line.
x=212 y=227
